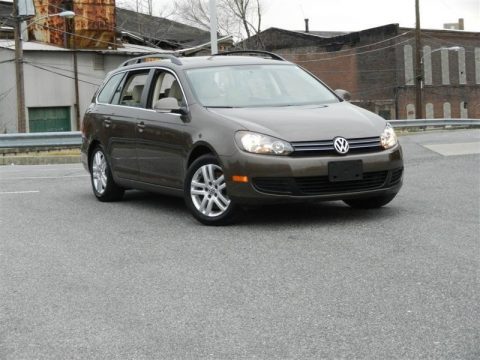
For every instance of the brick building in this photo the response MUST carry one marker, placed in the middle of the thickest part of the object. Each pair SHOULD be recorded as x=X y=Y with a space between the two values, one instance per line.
x=377 y=67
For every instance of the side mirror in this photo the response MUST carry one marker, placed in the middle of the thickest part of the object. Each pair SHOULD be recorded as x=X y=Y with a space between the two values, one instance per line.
x=343 y=94
x=170 y=105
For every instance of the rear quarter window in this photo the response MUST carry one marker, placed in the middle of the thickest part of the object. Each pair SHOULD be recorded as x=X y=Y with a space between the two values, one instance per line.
x=131 y=94
x=106 y=94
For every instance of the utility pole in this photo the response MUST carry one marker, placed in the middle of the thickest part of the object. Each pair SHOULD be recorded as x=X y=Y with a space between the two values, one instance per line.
x=418 y=64
x=21 y=118
x=73 y=45
x=213 y=27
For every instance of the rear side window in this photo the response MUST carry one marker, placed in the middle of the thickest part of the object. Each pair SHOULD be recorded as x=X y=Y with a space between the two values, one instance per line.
x=131 y=94
x=109 y=89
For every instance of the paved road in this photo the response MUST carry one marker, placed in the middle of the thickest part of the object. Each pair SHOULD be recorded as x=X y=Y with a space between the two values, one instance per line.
x=140 y=279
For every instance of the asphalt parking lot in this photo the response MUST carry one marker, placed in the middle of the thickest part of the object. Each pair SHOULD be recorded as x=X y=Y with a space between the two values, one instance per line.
x=141 y=279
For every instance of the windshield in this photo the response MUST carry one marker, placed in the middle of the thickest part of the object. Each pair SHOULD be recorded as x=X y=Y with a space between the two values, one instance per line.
x=256 y=86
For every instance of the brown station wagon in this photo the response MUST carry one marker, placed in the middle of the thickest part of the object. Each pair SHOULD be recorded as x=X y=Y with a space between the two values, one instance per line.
x=232 y=130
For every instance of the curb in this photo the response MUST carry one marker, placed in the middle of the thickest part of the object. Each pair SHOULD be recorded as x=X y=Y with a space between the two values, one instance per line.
x=39 y=160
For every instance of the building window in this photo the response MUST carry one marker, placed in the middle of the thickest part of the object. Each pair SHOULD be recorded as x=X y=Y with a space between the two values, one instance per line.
x=385 y=109
x=447 y=110
x=386 y=114
x=462 y=71
x=427 y=64
x=410 y=111
x=445 y=67
x=429 y=111
x=408 y=59
x=463 y=110
x=49 y=119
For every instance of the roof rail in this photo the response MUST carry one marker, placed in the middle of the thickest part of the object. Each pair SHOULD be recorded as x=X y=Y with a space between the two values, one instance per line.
x=273 y=56
x=138 y=60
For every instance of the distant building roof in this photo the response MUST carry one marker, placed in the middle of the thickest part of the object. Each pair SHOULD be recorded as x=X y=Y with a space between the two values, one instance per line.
x=277 y=38
x=323 y=34
x=158 y=31
x=273 y=39
x=141 y=29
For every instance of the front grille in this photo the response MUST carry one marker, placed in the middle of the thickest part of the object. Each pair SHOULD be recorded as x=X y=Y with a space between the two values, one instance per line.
x=320 y=185
x=274 y=185
x=324 y=147
x=396 y=176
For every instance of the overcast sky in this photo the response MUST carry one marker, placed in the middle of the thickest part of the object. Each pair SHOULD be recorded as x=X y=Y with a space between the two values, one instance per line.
x=351 y=15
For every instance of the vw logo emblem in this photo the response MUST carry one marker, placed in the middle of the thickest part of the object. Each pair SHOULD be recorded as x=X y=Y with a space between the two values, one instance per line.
x=341 y=145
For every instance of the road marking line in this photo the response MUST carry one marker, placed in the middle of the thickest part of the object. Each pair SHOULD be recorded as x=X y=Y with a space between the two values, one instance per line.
x=44 y=177
x=19 y=192
x=467 y=148
x=18 y=168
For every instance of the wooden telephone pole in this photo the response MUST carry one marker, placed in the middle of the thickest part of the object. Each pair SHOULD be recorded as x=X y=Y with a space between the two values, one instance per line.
x=21 y=117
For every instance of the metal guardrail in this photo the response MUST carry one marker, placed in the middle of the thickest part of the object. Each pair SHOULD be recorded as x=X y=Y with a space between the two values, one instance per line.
x=434 y=123
x=74 y=138
x=41 y=140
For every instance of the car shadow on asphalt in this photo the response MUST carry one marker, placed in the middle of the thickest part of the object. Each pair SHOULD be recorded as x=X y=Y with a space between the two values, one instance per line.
x=145 y=198
x=314 y=213
x=320 y=213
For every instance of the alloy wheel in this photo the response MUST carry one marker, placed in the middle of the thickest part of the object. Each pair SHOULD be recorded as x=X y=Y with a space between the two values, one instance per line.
x=99 y=172
x=208 y=191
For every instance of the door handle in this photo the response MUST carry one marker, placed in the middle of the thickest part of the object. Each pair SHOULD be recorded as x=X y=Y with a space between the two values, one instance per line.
x=141 y=126
x=107 y=122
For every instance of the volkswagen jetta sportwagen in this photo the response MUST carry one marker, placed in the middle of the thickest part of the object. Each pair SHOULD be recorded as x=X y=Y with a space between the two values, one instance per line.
x=230 y=130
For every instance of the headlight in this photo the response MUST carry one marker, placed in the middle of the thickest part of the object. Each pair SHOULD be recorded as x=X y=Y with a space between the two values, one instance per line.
x=388 y=138
x=262 y=144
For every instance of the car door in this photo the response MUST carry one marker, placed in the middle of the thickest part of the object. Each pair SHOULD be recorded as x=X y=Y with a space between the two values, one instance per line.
x=162 y=137
x=122 y=122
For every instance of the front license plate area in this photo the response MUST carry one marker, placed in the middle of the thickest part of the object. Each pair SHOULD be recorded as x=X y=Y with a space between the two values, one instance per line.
x=345 y=170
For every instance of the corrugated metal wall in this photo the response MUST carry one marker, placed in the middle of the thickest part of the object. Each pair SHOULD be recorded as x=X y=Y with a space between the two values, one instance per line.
x=92 y=28
x=94 y=23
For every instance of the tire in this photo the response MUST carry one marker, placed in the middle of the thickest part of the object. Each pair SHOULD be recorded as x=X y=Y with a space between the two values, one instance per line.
x=370 y=203
x=103 y=185
x=206 y=193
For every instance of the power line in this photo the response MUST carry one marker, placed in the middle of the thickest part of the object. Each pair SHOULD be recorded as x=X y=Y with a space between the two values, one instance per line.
x=372 y=90
x=441 y=42
x=88 y=37
x=128 y=30
x=5 y=93
x=354 y=54
x=67 y=70
x=60 y=74
x=7 y=61
x=356 y=48
x=139 y=47
x=357 y=71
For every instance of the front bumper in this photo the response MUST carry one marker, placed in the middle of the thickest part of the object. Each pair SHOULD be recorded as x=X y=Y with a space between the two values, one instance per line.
x=299 y=179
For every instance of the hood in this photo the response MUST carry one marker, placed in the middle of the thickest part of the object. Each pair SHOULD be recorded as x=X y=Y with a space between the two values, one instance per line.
x=307 y=123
